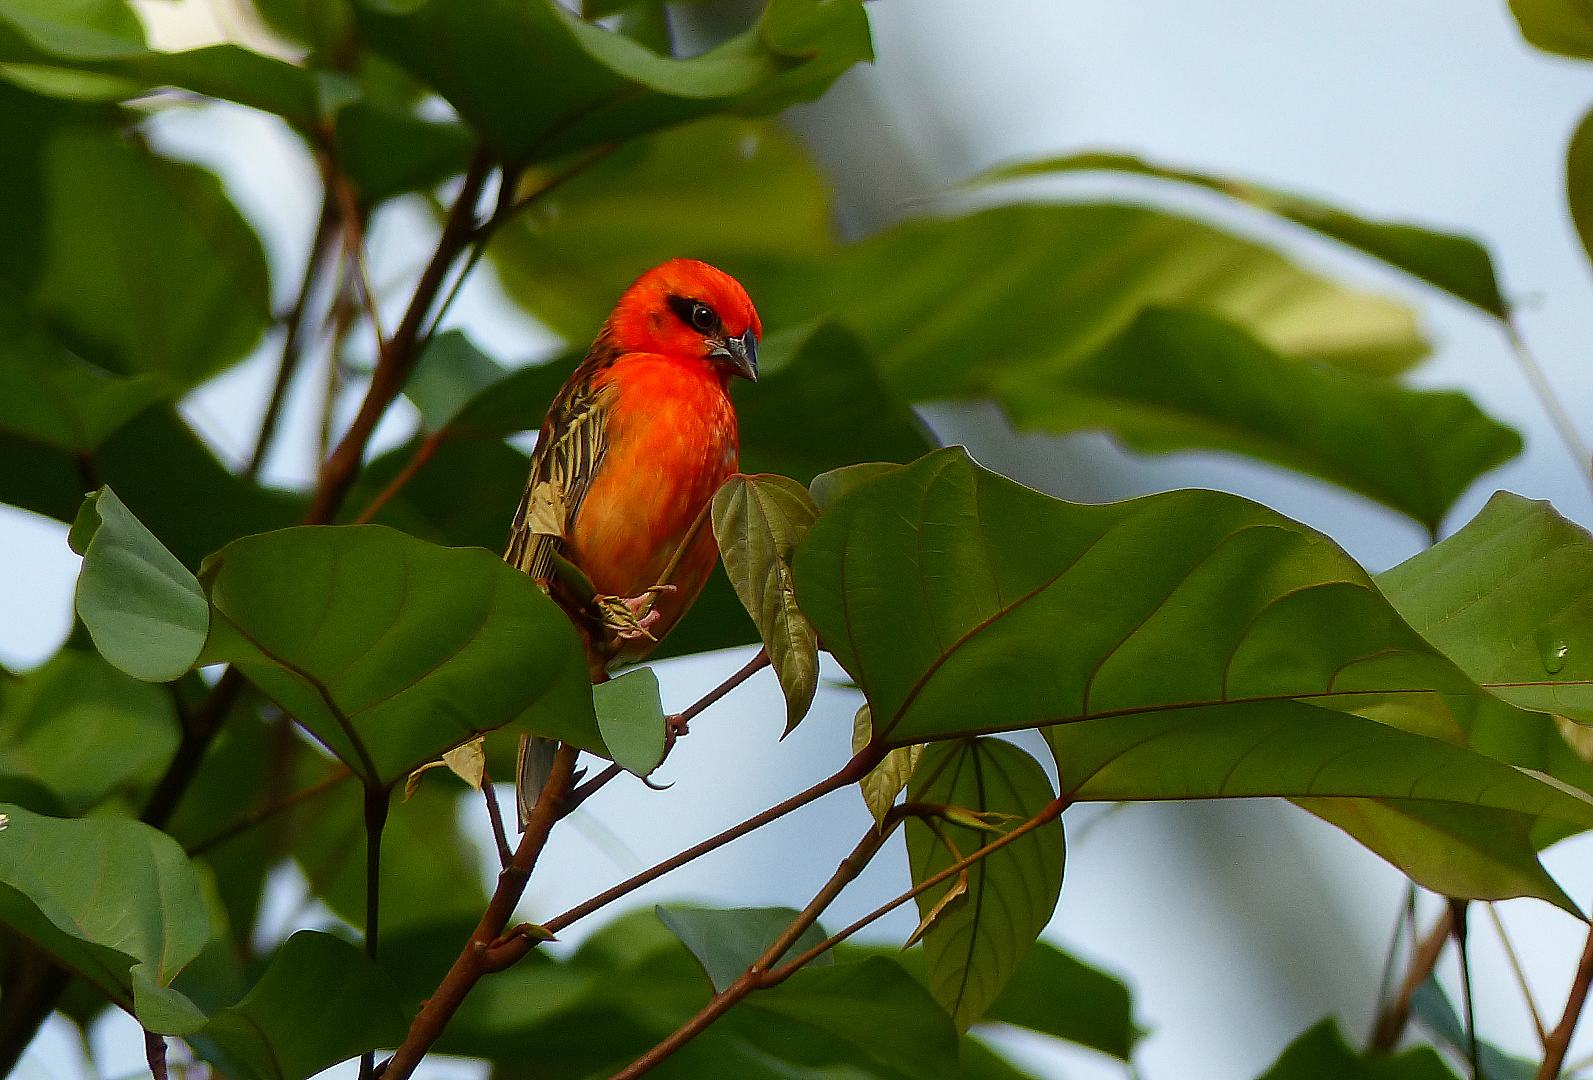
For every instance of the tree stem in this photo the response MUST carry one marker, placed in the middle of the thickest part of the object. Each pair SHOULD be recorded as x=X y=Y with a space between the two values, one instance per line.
x=1391 y=1024
x=1559 y=1040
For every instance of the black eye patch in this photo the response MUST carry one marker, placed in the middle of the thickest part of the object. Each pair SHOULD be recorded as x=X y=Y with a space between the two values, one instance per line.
x=694 y=313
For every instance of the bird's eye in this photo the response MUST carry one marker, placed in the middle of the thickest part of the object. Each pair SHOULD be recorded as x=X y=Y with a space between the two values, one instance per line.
x=703 y=317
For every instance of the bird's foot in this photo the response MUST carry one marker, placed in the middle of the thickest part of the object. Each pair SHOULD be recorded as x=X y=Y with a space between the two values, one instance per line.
x=628 y=617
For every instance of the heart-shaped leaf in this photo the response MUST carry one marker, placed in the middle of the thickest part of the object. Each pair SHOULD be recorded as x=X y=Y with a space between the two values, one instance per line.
x=975 y=946
x=726 y=941
x=886 y=780
x=114 y=901
x=630 y=715
x=758 y=521
x=391 y=650
x=146 y=612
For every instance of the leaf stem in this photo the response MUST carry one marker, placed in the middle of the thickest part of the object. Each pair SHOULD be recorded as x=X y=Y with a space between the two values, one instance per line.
x=482 y=953
x=1520 y=974
x=293 y=342
x=398 y=358
x=1559 y=1040
x=254 y=817
x=1391 y=1022
x=377 y=798
x=423 y=454
x=1563 y=424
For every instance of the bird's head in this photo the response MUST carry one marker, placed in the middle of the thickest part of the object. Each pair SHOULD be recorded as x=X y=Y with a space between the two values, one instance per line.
x=687 y=308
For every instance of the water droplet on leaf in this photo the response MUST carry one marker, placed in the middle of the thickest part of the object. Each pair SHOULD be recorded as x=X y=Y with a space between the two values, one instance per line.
x=1552 y=651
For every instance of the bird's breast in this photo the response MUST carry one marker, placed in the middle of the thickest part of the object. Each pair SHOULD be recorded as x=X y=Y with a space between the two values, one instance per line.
x=671 y=442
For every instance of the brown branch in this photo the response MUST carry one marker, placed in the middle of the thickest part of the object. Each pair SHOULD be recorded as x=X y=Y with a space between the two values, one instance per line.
x=495 y=815
x=249 y=820
x=354 y=244
x=423 y=454
x=293 y=343
x=398 y=358
x=1559 y=1040
x=1396 y=1014
x=196 y=738
x=1520 y=974
x=860 y=766
x=155 y=1054
x=762 y=974
x=477 y=958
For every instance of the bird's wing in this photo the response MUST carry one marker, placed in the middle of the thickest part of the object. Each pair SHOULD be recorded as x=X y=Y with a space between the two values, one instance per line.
x=568 y=453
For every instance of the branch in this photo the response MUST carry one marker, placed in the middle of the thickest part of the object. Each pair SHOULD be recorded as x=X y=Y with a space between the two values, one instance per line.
x=484 y=951
x=196 y=739
x=1563 y=424
x=398 y=358
x=292 y=344
x=762 y=974
x=1559 y=1040
x=1395 y=1015
x=377 y=797
x=1520 y=974
x=423 y=454
x=495 y=815
x=354 y=243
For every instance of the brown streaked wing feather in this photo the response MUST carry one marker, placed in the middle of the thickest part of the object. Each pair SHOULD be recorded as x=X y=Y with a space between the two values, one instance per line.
x=568 y=454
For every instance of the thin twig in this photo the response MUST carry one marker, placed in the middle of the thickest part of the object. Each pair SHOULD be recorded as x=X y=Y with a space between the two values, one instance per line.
x=1539 y=382
x=377 y=799
x=293 y=342
x=254 y=817
x=423 y=453
x=860 y=766
x=1521 y=975
x=495 y=815
x=748 y=670
x=1391 y=1024
x=763 y=973
x=488 y=949
x=396 y=361
x=1559 y=1040
x=196 y=739
x=354 y=244
x=1458 y=920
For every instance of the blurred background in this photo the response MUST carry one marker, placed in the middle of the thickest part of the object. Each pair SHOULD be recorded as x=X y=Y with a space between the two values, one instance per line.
x=1236 y=924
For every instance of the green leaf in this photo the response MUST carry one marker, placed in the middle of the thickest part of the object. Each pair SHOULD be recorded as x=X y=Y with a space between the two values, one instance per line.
x=630 y=715
x=1469 y=851
x=1431 y=1006
x=1579 y=178
x=758 y=521
x=390 y=650
x=830 y=486
x=116 y=902
x=387 y=150
x=434 y=505
x=1509 y=598
x=980 y=1062
x=319 y=1002
x=1055 y=994
x=1557 y=26
x=974 y=947
x=51 y=397
x=85 y=730
x=590 y=86
x=80 y=27
x=1456 y=264
x=730 y=191
x=150 y=268
x=887 y=779
x=450 y=374
x=146 y=612
x=726 y=941
x=939 y=323
x=1322 y=1052
x=1178 y=380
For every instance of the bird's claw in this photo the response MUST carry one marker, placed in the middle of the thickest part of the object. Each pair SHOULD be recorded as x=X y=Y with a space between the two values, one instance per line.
x=628 y=618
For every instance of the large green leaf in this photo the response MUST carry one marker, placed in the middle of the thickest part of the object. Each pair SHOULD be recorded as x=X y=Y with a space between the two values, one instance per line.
x=85 y=730
x=1059 y=995
x=97 y=50
x=1322 y=1052
x=758 y=521
x=1177 y=379
x=146 y=612
x=387 y=149
x=390 y=650
x=1509 y=598
x=977 y=940
x=934 y=582
x=1472 y=851
x=116 y=902
x=1557 y=26
x=149 y=267
x=319 y=1002
x=948 y=308
x=1456 y=264
x=537 y=82
x=732 y=192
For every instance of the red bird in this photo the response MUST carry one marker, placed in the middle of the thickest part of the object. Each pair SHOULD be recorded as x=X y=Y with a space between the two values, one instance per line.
x=633 y=448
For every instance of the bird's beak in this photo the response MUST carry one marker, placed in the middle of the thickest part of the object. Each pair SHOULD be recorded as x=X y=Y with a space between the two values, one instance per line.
x=742 y=352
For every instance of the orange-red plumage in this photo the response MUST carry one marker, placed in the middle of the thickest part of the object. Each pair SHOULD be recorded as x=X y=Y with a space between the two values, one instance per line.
x=634 y=447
